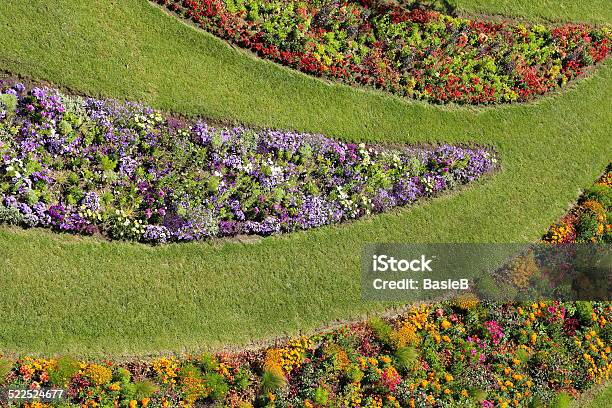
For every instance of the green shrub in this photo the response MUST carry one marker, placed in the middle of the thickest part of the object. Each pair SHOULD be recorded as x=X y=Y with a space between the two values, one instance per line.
x=321 y=396
x=602 y=194
x=271 y=381
x=584 y=311
x=478 y=395
x=190 y=371
x=8 y=103
x=354 y=374
x=586 y=228
x=64 y=127
x=65 y=369
x=144 y=389
x=406 y=357
x=217 y=385
x=122 y=375
x=242 y=379
x=10 y=216
x=381 y=329
x=208 y=362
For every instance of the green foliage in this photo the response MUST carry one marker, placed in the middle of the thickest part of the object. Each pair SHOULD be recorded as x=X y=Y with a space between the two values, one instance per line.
x=242 y=379
x=406 y=357
x=381 y=329
x=144 y=389
x=10 y=216
x=584 y=311
x=64 y=127
x=586 y=229
x=122 y=375
x=217 y=384
x=354 y=374
x=271 y=381
x=66 y=368
x=602 y=194
x=321 y=396
x=190 y=371
x=8 y=103
x=107 y=163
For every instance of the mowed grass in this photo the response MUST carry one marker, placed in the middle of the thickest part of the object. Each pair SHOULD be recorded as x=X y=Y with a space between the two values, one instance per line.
x=597 y=397
x=592 y=11
x=64 y=294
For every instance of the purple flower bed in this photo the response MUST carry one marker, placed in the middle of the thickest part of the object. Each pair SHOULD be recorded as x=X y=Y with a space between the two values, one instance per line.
x=125 y=171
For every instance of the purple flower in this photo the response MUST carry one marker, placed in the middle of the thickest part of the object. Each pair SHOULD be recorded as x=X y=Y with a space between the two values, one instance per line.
x=182 y=182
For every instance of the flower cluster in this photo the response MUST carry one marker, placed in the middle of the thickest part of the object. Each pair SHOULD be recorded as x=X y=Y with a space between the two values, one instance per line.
x=489 y=355
x=590 y=221
x=414 y=52
x=125 y=171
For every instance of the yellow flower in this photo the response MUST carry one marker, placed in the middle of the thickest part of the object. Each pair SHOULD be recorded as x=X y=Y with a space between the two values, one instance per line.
x=99 y=374
x=133 y=404
x=446 y=338
x=446 y=324
x=448 y=378
x=464 y=393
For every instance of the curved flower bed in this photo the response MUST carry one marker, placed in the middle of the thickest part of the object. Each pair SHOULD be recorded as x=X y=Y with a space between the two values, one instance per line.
x=122 y=170
x=590 y=220
x=464 y=354
x=418 y=53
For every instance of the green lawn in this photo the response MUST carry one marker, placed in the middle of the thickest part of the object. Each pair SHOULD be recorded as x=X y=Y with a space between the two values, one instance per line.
x=599 y=397
x=593 y=11
x=61 y=294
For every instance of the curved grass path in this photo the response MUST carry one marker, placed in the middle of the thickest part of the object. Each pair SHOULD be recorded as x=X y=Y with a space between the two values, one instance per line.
x=63 y=294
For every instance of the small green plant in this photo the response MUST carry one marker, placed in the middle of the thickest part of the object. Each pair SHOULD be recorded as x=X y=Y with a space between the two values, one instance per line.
x=321 y=396
x=217 y=385
x=107 y=163
x=242 y=379
x=599 y=193
x=65 y=369
x=354 y=374
x=406 y=357
x=64 y=127
x=586 y=229
x=478 y=395
x=122 y=375
x=190 y=371
x=208 y=362
x=10 y=216
x=8 y=103
x=381 y=329
x=144 y=389
x=271 y=381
